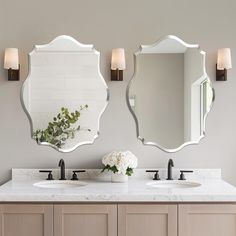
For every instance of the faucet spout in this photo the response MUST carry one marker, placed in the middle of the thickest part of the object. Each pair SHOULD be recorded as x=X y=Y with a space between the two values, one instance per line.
x=62 y=166
x=169 y=169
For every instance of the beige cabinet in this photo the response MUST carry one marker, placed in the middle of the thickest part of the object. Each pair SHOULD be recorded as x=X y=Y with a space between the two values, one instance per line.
x=26 y=220
x=147 y=219
x=85 y=220
x=207 y=220
x=122 y=219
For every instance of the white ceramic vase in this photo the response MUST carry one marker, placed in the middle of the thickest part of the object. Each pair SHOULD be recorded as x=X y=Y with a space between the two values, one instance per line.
x=119 y=178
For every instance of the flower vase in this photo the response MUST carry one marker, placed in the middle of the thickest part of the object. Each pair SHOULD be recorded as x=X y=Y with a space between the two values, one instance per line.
x=119 y=178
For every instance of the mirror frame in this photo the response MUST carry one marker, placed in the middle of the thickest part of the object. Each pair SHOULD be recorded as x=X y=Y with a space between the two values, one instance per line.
x=140 y=50
x=88 y=47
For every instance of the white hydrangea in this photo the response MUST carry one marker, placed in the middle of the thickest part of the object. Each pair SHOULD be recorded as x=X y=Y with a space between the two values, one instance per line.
x=122 y=160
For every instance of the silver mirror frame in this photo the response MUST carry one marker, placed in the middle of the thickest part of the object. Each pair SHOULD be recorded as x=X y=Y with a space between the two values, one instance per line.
x=141 y=49
x=92 y=50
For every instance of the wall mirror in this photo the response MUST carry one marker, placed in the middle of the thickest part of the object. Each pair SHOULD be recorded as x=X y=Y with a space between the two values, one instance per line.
x=170 y=94
x=64 y=94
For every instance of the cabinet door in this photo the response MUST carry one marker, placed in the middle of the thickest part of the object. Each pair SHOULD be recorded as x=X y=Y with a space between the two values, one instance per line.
x=85 y=220
x=26 y=220
x=151 y=220
x=207 y=220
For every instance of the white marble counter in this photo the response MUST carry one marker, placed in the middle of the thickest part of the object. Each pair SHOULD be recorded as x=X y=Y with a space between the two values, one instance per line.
x=100 y=189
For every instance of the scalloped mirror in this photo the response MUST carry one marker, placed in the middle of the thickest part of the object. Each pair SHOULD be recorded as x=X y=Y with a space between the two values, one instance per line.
x=170 y=94
x=64 y=94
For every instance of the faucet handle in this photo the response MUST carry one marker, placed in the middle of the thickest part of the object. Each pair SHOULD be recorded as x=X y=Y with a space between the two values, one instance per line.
x=50 y=176
x=182 y=177
x=75 y=176
x=156 y=175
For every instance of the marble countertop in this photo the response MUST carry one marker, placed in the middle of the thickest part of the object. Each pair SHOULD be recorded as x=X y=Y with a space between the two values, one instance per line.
x=100 y=189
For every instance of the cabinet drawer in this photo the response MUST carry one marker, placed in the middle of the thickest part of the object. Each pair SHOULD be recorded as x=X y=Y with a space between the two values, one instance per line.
x=207 y=220
x=145 y=219
x=85 y=220
x=26 y=220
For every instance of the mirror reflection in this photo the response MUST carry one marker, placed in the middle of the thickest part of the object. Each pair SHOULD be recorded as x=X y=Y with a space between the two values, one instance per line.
x=170 y=94
x=64 y=94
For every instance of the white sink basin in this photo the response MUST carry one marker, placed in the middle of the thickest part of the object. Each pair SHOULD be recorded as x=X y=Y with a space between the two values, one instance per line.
x=57 y=184
x=173 y=184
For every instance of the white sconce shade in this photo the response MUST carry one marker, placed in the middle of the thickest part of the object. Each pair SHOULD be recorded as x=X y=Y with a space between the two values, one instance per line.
x=118 y=59
x=11 y=60
x=224 y=59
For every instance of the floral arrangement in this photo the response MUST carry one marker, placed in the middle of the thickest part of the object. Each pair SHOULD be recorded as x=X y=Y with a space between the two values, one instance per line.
x=120 y=162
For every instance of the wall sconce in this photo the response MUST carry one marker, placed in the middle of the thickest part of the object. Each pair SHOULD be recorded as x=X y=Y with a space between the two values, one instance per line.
x=117 y=64
x=11 y=63
x=223 y=64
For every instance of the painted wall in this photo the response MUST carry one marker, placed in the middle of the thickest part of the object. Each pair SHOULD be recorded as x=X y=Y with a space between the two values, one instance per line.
x=109 y=24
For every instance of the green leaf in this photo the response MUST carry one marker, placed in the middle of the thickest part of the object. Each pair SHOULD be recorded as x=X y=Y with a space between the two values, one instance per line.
x=129 y=171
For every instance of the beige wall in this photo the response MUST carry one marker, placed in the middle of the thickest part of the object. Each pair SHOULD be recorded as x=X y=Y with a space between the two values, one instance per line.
x=109 y=24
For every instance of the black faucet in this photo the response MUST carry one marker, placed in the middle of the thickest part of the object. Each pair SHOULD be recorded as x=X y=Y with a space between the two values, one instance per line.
x=62 y=165
x=169 y=171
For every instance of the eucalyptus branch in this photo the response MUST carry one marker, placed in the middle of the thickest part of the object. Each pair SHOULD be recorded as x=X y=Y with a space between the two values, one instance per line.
x=61 y=128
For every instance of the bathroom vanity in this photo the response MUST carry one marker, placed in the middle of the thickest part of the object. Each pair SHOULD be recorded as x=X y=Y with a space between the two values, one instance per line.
x=122 y=219
x=98 y=207
x=66 y=114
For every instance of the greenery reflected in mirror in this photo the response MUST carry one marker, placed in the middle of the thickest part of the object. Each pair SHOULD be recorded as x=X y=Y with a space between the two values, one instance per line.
x=64 y=95
x=63 y=127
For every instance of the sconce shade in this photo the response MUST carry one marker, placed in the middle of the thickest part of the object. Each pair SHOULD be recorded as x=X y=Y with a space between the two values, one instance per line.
x=11 y=60
x=224 y=59
x=118 y=59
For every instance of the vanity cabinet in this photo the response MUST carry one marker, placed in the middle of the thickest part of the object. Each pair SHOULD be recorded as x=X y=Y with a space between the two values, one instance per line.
x=85 y=220
x=137 y=219
x=207 y=219
x=26 y=220
x=147 y=219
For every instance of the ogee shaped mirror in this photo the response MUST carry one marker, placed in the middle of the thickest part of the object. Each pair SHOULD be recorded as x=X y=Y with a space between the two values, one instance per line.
x=170 y=94
x=64 y=94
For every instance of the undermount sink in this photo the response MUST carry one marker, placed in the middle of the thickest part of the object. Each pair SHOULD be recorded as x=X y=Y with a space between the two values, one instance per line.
x=173 y=184
x=59 y=184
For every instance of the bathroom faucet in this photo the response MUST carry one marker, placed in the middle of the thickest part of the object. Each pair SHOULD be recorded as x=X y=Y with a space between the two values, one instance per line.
x=62 y=165
x=169 y=170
